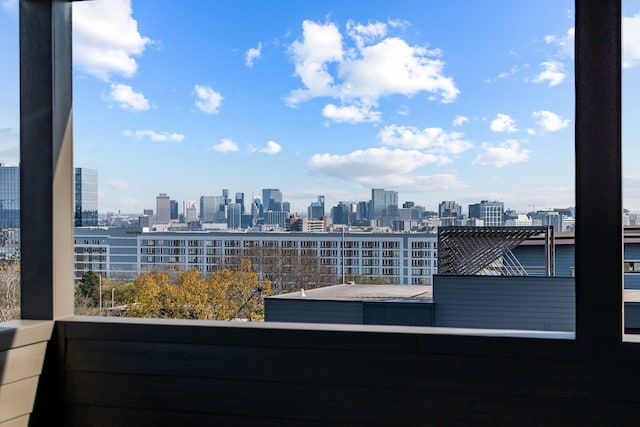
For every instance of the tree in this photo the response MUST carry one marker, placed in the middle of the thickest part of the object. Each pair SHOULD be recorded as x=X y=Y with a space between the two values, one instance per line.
x=9 y=290
x=290 y=269
x=224 y=295
x=89 y=287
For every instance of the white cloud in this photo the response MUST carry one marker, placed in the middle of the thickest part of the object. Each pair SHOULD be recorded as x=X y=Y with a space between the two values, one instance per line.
x=550 y=122
x=460 y=120
x=553 y=73
x=513 y=70
x=394 y=67
x=432 y=140
x=225 y=146
x=271 y=148
x=564 y=43
x=350 y=114
x=373 y=68
x=155 y=136
x=360 y=164
x=320 y=45
x=106 y=38
x=118 y=184
x=252 y=54
x=126 y=98
x=208 y=100
x=631 y=41
x=362 y=34
x=503 y=123
x=501 y=154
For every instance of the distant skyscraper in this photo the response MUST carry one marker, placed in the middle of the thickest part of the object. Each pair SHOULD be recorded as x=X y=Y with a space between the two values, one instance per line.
x=384 y=206
x=240 y=201
x=86 y=197
x=234 y=216
x=271 y=199
x=173 y=209
x=340 y=214
x=491 y=213
x=163 y=209
x=210 y=207
x=449 y=209
x=316 y=209
x=9 y=196
x=190 y=212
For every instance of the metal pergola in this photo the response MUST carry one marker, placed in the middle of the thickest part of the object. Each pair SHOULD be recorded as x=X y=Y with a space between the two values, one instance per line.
x=470 y=251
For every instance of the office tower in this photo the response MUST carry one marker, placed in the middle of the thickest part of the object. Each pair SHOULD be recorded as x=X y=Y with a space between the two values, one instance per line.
x=86 y=197
x=490 y=213
x=212 y=208
x=9 y=196
x=271 y=199
x=384 y=206
x=316 y=209
x=173 y=209
x=340 y=214
x=190 y=212
x=449 y=209
x=234 y=216
x=163 y=209
x=240 y=201
x=363 y=211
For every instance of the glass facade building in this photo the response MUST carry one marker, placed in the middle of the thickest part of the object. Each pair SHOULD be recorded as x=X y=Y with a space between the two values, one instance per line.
x=9 y=197
x=86 y=197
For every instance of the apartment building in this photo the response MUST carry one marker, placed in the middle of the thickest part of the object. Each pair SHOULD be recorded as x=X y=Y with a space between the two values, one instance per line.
x=399 y=258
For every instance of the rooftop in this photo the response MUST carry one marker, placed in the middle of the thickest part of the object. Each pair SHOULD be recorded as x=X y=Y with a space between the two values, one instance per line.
x=349 y=292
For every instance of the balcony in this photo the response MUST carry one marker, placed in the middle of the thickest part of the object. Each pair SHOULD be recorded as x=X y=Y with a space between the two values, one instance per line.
x=76 y=371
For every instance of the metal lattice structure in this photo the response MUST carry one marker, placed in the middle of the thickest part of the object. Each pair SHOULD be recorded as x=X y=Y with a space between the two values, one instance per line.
x=468 y=251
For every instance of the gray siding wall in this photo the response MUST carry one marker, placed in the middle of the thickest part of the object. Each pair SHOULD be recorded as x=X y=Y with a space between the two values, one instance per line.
x=138 y=372
x=533 y=256
x=418 y=313
x=312 y=311
x=503 y=302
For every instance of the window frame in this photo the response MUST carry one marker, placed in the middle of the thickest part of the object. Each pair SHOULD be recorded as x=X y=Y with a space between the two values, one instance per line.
x=46 y=151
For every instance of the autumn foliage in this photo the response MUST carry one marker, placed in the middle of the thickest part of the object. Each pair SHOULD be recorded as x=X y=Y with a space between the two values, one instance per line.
x=223 y=295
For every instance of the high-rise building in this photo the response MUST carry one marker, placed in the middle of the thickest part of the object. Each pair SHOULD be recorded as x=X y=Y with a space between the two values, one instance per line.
x=491 y=213
x=316 y=209
x=190 y=212
x=173 y=209
x=384 y=206
x=271 y=199
x=9 y=196
x=86 y=197
x=163 y=209
x=449 y=209
x=240 y=201
x=340 y=214
x=234 y=216
x=212 y=208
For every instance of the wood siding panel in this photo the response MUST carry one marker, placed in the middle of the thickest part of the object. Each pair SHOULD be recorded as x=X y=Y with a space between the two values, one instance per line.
x=16 y=398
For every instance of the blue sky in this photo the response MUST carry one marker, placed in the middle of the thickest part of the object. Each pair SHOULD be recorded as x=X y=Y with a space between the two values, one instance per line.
x=455 y=100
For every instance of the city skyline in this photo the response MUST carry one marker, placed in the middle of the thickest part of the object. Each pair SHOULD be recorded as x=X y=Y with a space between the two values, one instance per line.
x=327 y=99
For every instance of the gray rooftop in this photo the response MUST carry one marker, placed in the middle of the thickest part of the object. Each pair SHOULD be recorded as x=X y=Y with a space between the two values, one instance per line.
x=349 y=292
